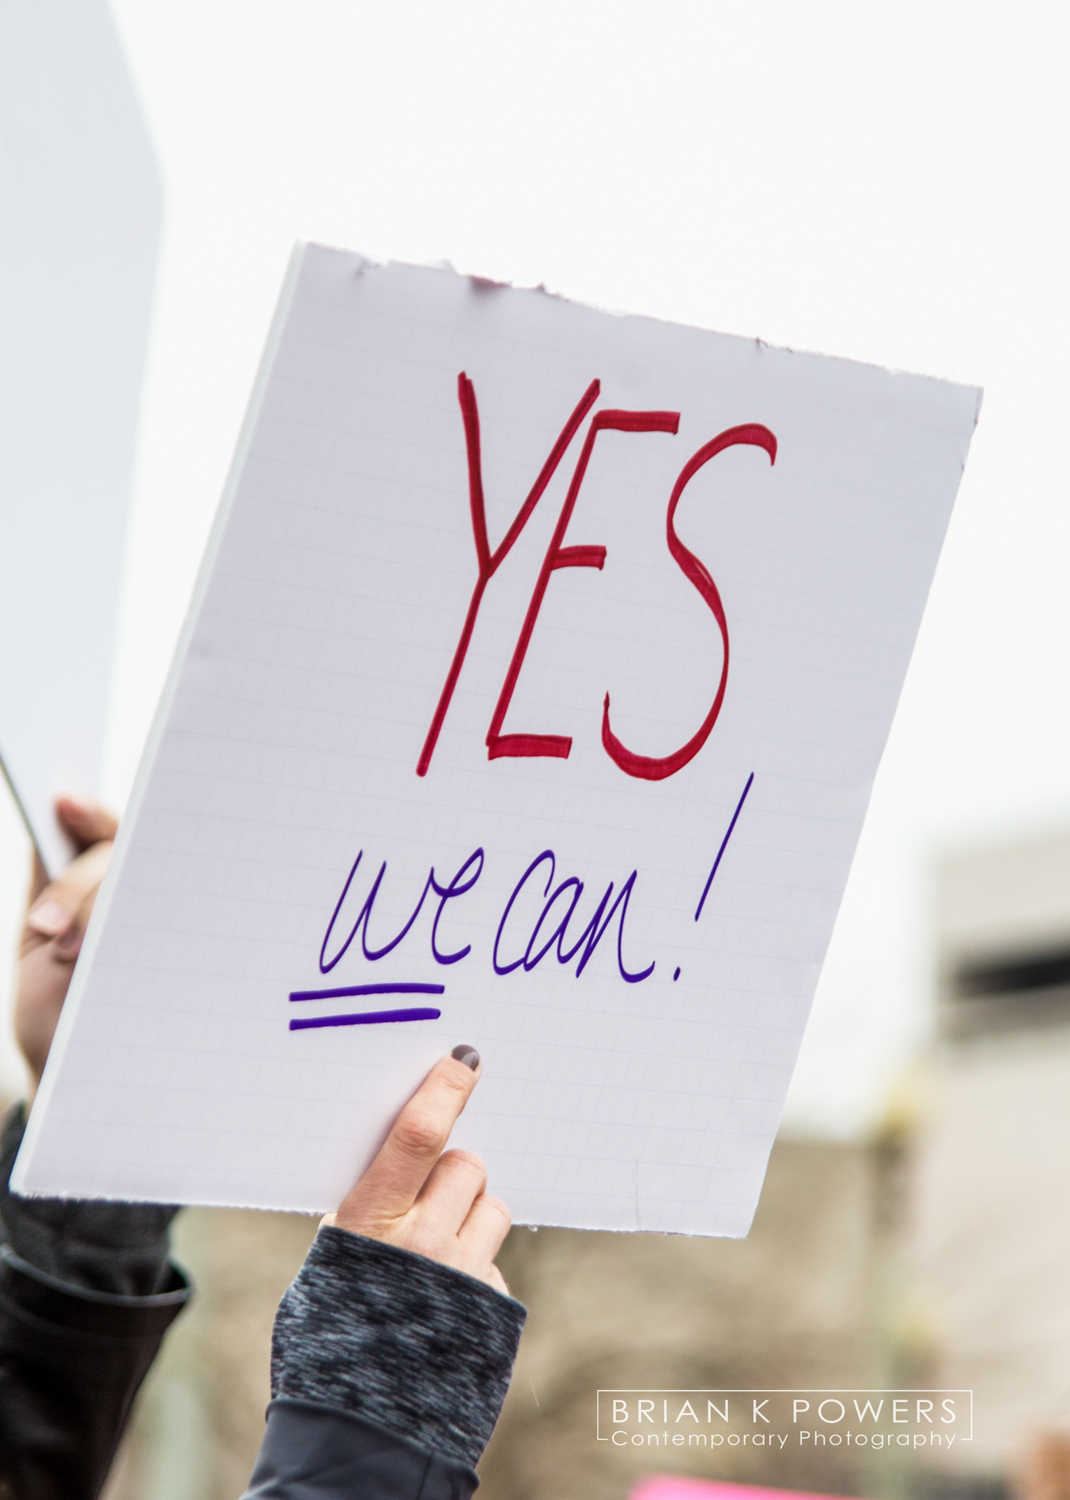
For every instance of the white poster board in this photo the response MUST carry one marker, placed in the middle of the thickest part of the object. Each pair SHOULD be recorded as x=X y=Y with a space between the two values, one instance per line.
x=385 y=808
x=81 y=200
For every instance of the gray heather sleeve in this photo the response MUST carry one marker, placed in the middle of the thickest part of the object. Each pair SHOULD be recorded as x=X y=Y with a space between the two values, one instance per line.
x=397 y=1340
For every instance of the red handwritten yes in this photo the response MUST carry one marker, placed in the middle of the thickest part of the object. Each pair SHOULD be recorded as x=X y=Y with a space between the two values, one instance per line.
x=647 y=768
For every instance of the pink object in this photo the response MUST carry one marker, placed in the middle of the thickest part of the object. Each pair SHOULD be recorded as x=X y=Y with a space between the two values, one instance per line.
x=665 y=1488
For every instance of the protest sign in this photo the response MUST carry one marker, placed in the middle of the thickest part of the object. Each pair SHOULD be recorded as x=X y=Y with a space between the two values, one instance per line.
x=531 y=697
x=82 y=206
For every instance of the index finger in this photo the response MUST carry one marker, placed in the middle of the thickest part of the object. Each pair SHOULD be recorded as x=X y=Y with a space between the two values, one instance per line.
x=417 y=1139
x=55 y=907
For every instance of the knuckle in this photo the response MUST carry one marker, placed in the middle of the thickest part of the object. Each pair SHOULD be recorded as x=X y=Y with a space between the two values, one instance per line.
x=75 y=886
x=499 y=1207
x=418 y=1133
x=66 y=890
x=96 y=863
x=466 y=1161
x=453 y=1084
x=424 y=1240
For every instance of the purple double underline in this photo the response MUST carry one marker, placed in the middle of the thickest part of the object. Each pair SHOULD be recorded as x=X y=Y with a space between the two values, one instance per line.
x=368 y=1017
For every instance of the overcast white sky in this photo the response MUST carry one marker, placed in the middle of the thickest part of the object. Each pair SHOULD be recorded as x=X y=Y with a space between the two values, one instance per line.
x=886 y=182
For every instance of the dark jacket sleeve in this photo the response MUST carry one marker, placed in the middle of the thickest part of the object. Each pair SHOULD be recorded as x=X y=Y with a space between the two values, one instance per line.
x=388 y=1372
x=86 y=1295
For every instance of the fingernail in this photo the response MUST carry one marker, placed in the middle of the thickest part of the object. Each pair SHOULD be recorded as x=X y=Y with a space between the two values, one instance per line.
x=468 y=1055
x=48 y=918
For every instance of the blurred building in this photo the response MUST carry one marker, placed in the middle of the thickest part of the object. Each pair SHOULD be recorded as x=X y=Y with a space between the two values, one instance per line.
x=798 y=1304
x=990 y=1234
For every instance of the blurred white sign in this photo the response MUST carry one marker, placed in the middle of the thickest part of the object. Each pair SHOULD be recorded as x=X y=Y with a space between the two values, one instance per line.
x=531 y=698
x=77 y=258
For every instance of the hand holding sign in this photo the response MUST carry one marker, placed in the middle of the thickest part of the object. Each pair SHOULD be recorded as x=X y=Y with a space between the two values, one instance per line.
x=55 y=926
x=420 y=1197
